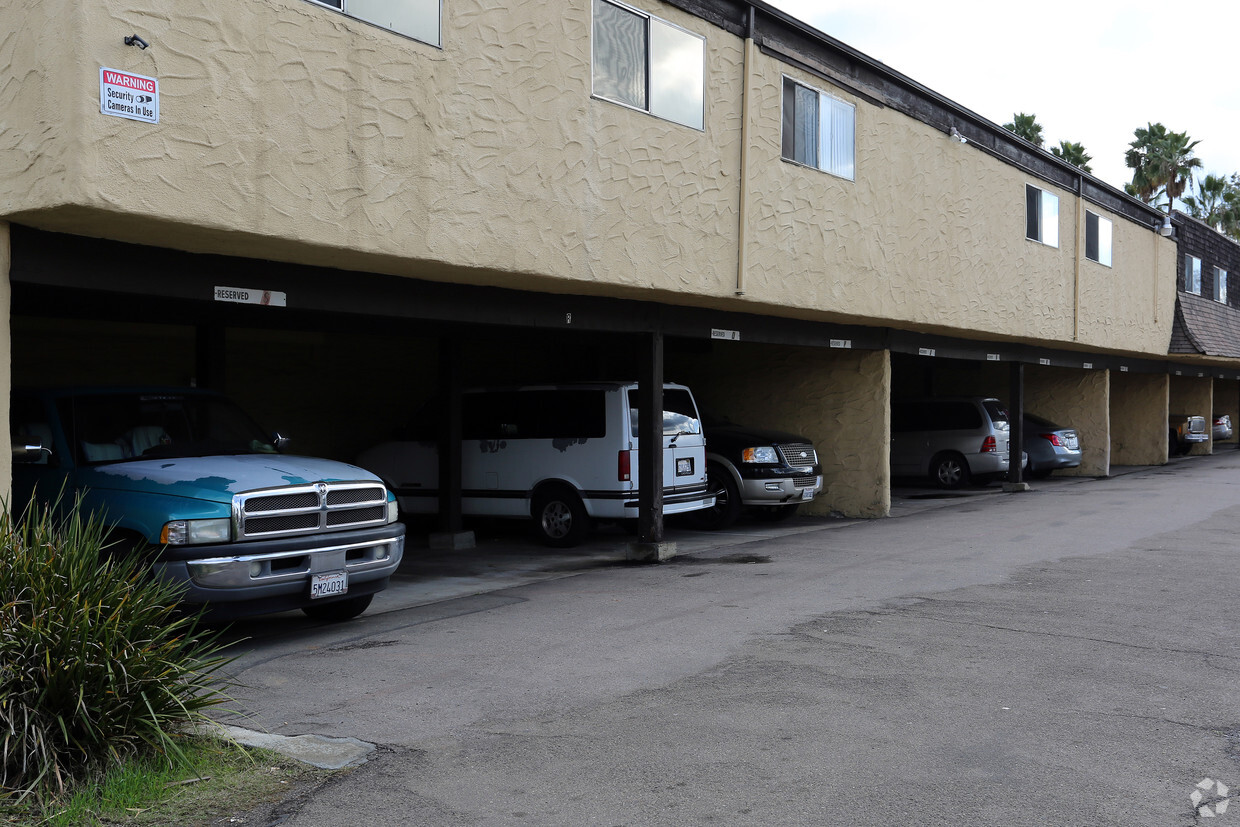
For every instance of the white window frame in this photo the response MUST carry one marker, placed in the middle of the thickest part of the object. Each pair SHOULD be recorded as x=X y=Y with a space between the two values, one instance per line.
x=654 y=94
x=1220 y=285
x=835 y=132
x=359 y=12
x=1104 y=232
x=1042 y=216
x=1192 y=275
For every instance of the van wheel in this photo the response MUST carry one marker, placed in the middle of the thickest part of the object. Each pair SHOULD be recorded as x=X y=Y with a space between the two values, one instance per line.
x=727 y=505
x=560 y=518
x=337 y=610
x=949 y=471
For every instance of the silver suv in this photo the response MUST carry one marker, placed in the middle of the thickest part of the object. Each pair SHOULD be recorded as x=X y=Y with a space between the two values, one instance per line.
x=952 y=440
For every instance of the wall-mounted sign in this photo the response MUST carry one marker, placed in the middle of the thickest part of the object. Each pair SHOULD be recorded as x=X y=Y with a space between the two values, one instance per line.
x=126 y=95
x=1087 y=365
x=1044 y=361
x=994 y=357
x=729 y=335
x=925 y=351
x=844 y=343
x=240 y=295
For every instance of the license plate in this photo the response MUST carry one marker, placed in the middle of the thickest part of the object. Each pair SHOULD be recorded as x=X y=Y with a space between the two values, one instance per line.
x=1072 y=443
x=684 y=467
x=329 y=584
x=807 y=494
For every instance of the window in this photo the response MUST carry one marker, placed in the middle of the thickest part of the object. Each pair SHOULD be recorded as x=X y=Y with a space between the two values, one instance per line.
x=1192 y=275
x=1041 y=216
x=648 y=64
x=818 y=130
x=1097 y=238
x=418 y=19
x=1220 y=285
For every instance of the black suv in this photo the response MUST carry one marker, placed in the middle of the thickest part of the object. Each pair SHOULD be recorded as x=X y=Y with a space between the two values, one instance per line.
x=770 y=472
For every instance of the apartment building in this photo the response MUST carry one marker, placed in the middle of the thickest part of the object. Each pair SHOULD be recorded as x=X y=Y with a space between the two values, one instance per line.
x=335 y=210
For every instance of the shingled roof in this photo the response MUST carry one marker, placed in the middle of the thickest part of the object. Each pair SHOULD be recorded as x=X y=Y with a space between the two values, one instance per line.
x=1205 y=326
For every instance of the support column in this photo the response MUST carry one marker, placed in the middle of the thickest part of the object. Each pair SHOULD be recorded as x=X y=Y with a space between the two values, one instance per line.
x=1016 y=424
x=450 y=525
x=650 y=547
x=6 y=349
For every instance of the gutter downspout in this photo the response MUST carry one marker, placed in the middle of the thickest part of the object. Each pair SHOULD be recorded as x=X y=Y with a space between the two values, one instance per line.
x=742 y=234
x=1080 y=241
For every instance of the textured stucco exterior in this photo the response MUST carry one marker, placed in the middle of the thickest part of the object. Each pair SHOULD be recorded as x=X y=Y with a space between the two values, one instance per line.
x=1077 y=399
x=1138 y=418
x=1193 y=395
x=836 y=398
x=293 y=133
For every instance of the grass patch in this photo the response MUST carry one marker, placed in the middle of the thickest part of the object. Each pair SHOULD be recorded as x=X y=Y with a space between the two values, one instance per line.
x=211 y=780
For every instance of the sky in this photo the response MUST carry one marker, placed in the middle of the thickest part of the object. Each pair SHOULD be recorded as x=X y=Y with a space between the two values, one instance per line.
x=1091 y=71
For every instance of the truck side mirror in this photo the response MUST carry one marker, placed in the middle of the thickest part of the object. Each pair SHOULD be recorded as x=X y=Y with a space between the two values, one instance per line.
x=280 y=441
x=29 y=453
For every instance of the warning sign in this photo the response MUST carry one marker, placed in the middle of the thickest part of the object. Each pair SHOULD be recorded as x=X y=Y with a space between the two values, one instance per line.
x=127 y=95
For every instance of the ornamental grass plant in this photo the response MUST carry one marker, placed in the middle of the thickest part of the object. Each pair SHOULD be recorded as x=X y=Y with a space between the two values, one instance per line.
x=97 y=665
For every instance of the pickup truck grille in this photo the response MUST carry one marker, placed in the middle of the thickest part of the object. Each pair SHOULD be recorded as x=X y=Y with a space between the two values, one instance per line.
x=309 y=509
x=799 y=455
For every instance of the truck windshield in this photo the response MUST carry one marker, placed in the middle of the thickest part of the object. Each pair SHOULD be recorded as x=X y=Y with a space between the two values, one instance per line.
x=127 y=426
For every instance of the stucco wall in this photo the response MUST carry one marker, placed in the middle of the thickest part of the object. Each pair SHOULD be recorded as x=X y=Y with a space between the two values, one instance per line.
x=1138 y=418
x=1193 y=395
x=1077 y=399
x=836 y=398
x=294 y=133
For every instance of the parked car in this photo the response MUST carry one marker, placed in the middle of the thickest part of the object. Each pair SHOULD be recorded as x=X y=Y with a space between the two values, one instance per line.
x=1184 y=431
x=1048 y=446
x=952 y=440
x=768 y=472
x=190 y=482
x=1222 y=427
x=561 y=455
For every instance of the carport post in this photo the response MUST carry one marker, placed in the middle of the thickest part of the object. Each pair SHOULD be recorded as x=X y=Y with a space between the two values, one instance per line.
x=650 y=546
x=450 y=534
x=1016 y=423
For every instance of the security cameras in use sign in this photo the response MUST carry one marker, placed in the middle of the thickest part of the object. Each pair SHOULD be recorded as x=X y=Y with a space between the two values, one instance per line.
x=126 y=95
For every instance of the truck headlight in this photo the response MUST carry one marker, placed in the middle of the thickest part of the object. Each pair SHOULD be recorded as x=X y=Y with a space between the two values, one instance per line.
x=393 y=513
x=764 y=454
x=194 y=532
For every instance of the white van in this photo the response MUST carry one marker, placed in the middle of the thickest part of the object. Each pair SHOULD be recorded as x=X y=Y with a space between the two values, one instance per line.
x=562 y=455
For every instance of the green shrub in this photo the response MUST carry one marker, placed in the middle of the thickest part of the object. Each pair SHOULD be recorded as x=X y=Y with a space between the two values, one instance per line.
x=96 y=664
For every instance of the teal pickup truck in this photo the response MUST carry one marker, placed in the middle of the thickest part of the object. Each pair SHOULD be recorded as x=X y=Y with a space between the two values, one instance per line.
x=190 y=482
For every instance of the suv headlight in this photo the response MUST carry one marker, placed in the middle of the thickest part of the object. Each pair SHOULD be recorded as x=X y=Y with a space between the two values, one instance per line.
x=194 y=532
x=764 y=454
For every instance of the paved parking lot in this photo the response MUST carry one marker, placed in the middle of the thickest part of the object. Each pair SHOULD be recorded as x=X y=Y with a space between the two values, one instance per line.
x=1065 y=656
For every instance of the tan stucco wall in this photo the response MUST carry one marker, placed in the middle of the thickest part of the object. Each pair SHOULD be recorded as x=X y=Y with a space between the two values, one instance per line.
x=1194 y=395
x=6 y=472
x=293 y=133
x=1077 y=399
x=836 y=398
x=1138 y=418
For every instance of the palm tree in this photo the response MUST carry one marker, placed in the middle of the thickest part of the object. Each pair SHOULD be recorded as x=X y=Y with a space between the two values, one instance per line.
x=1074 y=154
x=1162 y=162
x=1025 y=126
x=1217 y=203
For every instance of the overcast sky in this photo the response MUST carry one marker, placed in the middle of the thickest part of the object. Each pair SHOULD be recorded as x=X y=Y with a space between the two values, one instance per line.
x=1092 y=71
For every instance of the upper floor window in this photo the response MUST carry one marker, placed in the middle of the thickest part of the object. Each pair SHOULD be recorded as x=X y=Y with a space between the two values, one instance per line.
x=1192 y=275
x=819 y=130
x=1220 y=285
x=1041 y=216
x=648 y=64
x=418 y=19
x=1097 y=238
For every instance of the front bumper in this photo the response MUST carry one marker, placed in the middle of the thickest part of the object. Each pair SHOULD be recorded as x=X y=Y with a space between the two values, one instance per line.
x=278 y=572
x=780 y=490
